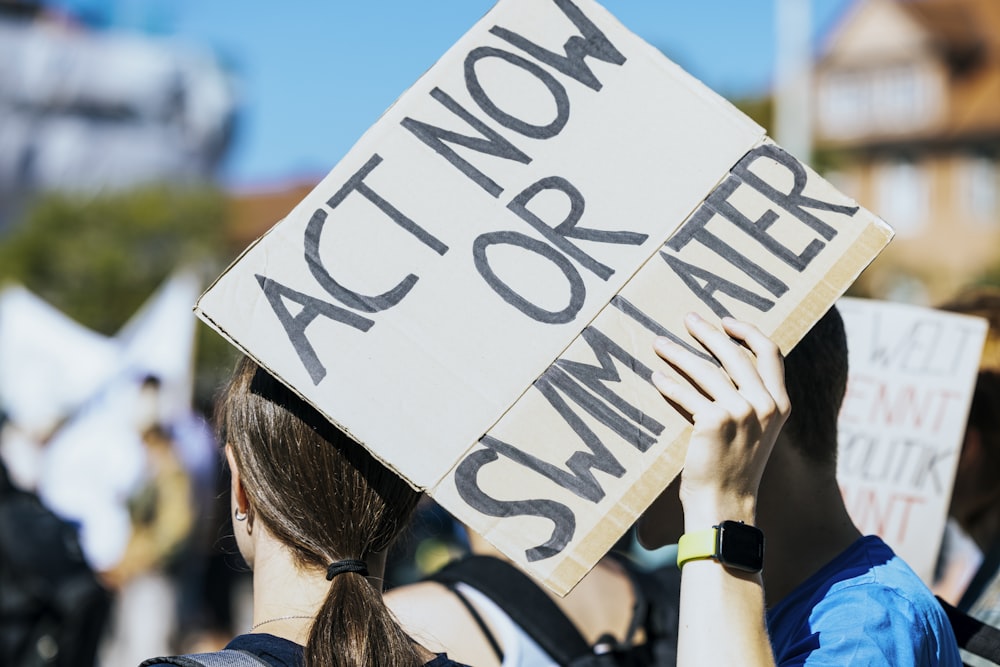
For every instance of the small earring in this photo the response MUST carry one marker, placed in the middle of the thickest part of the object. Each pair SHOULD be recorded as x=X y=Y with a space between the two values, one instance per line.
x=240 y=516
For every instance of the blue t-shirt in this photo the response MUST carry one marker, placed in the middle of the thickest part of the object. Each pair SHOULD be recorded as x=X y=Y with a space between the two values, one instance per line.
x=280 y=652
x=866 y=607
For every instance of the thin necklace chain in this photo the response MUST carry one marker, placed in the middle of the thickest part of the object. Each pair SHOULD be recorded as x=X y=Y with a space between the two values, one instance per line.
x=273 y=620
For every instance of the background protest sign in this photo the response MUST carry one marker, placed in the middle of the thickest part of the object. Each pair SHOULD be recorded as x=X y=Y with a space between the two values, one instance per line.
x=912 y=373
x=509 y=210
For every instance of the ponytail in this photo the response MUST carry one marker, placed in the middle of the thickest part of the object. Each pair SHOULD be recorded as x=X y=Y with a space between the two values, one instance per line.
x=354 y=628
x=326 y=499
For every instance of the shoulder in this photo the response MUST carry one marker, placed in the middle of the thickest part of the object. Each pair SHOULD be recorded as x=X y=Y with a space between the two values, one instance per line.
x=870 y=609
x=433 y=615
x=416 y=594
x=268 y=649
x=424 y=604
x=274 y=650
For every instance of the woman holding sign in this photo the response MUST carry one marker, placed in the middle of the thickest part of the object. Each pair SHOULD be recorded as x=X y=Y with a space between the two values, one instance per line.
x=314 y=515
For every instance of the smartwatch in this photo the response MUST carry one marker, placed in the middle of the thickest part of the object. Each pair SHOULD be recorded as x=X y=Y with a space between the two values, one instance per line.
x=733 y=543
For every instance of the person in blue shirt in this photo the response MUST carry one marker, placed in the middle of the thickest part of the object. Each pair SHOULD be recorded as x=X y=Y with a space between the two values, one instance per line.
x=763 y=452
x=314 y=514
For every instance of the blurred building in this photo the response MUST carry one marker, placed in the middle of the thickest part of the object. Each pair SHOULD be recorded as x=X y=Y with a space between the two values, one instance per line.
x=907 y=114
x=250 y=212
x=84 y=109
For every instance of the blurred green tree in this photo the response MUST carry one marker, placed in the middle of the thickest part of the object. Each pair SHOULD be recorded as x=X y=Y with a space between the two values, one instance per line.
x=97 y=258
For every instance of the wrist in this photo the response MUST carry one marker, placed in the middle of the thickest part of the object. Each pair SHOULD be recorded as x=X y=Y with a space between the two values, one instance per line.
x=733 y=544
x=704 y=510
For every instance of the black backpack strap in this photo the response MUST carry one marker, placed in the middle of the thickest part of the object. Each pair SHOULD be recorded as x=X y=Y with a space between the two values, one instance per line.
x=642 y=587
x=522 y=600
x=656 y=610
x=976 y=637
x=225 y=658
x=477 y=617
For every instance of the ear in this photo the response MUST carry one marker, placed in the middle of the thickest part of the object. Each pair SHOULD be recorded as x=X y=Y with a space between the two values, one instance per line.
x=237 y=495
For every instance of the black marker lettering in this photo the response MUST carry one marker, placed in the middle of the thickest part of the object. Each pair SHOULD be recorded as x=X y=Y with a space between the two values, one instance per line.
x=929 y=467
x=562 y=517
x=493 y=143
x=567 y=229
x=695 y=229
x=593 y=43
x=356 y=183
x=520 y=126
x=348 y=297
x=794 y=202
x=295 y=326
x=314 y=231
x=555 y=382
x=627 y=307
x=595 y=378
x=691 y=275
x=578 y=291
x=579 y=480
x=758 y=229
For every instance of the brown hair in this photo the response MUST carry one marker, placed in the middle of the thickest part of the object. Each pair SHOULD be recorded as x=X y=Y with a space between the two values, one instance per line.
x=327 y=499
x=816 y=379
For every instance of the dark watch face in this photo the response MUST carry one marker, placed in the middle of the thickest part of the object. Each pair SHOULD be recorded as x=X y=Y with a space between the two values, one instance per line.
x=741 y=546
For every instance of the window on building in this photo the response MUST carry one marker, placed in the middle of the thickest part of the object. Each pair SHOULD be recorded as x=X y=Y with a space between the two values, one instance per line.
x=843 y=104
x=903 y=194
x=884 y=99
x=976 y=188
x=902 y=97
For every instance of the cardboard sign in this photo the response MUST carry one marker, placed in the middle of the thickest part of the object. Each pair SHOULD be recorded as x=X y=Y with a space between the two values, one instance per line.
x=473 y=291
x=912 y=374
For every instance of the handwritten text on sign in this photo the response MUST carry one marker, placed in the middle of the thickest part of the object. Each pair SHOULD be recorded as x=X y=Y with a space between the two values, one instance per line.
x=516 y=198
x=477 y=228
x=593 y=436
x=912 y=372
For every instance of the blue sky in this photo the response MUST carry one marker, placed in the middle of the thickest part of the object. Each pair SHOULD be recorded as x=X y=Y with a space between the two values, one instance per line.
x=315 y=75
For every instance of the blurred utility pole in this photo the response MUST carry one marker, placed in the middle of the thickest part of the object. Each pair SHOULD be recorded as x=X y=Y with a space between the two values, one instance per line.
x=793 y=77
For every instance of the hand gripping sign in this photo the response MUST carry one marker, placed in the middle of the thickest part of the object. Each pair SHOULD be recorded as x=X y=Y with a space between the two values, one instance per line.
x=473 y=291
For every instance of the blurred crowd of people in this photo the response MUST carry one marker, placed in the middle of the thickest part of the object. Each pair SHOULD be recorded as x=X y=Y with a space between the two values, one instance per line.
x=178 y=583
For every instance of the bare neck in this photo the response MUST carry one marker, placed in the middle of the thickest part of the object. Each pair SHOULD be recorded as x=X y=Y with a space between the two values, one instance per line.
x=287 y=596
x=801 y=511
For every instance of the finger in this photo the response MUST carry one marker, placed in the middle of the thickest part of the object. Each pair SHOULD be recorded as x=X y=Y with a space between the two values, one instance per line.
x=764 y=397
x=737 y=363
x=770 y=361
x=706 y=376
x=706 y=394
x=681 y=395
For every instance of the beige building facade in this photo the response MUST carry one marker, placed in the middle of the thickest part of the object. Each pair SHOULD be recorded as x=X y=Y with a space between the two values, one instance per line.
x=907 y=118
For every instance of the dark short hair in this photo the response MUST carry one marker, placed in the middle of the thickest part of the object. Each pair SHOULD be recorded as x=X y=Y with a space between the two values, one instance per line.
x=816 y=380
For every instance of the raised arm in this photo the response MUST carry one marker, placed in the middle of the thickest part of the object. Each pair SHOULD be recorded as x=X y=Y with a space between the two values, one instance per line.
x=737 y=411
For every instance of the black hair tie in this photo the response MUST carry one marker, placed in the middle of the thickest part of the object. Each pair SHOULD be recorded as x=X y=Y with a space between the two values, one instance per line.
x=346 y=565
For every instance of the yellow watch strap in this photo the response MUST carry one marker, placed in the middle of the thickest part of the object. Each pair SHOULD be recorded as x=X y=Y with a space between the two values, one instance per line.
x=697 y=545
